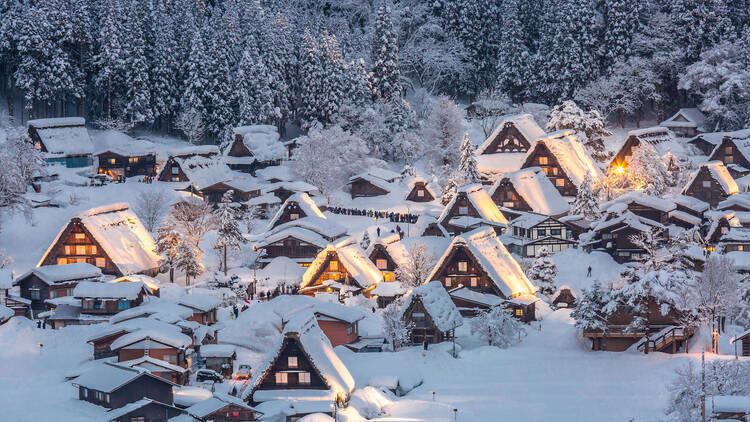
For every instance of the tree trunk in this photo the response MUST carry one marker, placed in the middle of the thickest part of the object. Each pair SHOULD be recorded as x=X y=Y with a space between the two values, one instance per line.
x=171 y=274
x=225 y=260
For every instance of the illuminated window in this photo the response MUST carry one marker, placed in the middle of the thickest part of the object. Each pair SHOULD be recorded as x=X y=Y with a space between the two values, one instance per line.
x=79 y=236
x=420 y=193
x=729 y=159
x=740 y=248
x=133 y=160
x=474 y=281
x=519 y=312
x=281 y=378
x=447 y=281
x=728 y=150
x=68 y=250
x=303 y=377
x=334 y=265
x=463 y=266
x=292 y=361
x=560 y=182
x=508 y=204
x=706 y=183
x=92 y=249
x=382 y=264
x=62 y=261
x=543 y=161
x=294 y=216
x=554 y=171
x=112 y=161
x=80 y=250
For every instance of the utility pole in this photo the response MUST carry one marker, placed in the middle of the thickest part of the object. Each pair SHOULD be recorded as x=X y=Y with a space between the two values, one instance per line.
x=703 y=385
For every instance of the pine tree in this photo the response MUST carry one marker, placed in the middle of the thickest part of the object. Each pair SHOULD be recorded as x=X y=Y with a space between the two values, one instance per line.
x=395 y=329
x=590 y=313
x=365 y=242
x=165 y=74
x=255 y=98
x=586 y=202
x=443 y=129
x=543 y=272
x=167 y=241
x=357 y=87
x=228 y=230
x=194 y=94
x=188 y=259
x=513 y=55
x=137 y=99
x=311 y=71
x=333 y=69
x=385 y=73
x=109 y=60
x=468 y=164
x=620 y=24
x=220 y=116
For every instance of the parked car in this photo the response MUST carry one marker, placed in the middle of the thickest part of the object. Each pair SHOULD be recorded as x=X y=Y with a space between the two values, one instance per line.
x=208 y=375
x=243 y=373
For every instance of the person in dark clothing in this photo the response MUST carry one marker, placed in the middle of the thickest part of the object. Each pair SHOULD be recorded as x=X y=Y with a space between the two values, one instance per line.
x=378 y=231
x=588 y=273
x=425 y=344
x=38 y=323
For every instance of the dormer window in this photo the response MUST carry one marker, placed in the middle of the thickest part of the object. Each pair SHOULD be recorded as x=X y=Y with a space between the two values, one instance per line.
x=294 y=216
x=463 y=266
x=292 y=361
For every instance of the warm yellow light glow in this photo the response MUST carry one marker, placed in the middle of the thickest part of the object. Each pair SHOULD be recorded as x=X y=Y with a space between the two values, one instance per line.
x=620 y=169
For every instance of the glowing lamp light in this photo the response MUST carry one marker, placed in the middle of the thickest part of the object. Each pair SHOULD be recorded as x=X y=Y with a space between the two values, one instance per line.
x=620 y=169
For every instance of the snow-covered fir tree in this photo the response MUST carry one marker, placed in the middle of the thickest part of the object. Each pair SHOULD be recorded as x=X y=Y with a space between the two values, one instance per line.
x=167 y=241
x=443 y=130
x=110 y=60
x=589 y=126
x=254 y=95
x=647 y=171
x=543 y=272
x=590 y=313
x=311 y=71
x=586 y=202
x=498 y=327
x=620 y=24
x=415 y=269
x=385 y=72
x=229 y=234
x=468 y=162
x=196 y=83
x=137 y=100
x=395 y=329
x=188 y=259
x=513 y=55
x=365 y=242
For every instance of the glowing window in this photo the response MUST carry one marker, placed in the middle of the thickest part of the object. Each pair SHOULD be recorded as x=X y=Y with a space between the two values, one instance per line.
x=281 y=378
x=463 y=266
x=543 y=161
x=728 y=150
x=81 y=250
x=112 y=161
x=68 y=250
x=519 y=312
x=292 y=361
x=447 y=281
x=334 y=265
x=420 y=193
x=79 y=236
x=474 y=281
x=382 y=264
x=559 y=182
x=62 y=261
x=729 y=159
x=508 y=204
x=92 y=249
x=304 y=377
x=294 y=216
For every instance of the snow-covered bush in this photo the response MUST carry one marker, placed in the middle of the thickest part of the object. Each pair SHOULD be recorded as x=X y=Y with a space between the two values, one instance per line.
x=417 y=266
x=498 y=327
x=395 y=329
x=543 y=272
x=151 y=205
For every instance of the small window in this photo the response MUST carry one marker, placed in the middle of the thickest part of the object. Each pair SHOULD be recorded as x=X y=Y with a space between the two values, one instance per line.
x=100 y=262
x=333 y=265
x=382 y=264
x=543 y=161
x=607 y=236
x=541 y=232
x=304 y=377
x=170 y=358
x=123 y=304
x=729 y=159
x=80 y=250
x=462 y=266
x=463 y=210
x=282 y=378
x=418 y=316
x=420 y=193
x=175 y=170
x=92 y=250
x=519 y=312
x=137 y=419
x=294 y=216
x=52 y=293
x=554 y=171
x=740 y=247
x=112 y=161
x=85 y=392
x=291 y=361
x=728 y=150
x=68 y=250
x=560 y=182
x=508 y=204
x=79 y=236
x=706 y=183
x=62 y=261
x=474 y=281
x=106 y=398
x=447 y=281
x=36 y=294
x=555 y=232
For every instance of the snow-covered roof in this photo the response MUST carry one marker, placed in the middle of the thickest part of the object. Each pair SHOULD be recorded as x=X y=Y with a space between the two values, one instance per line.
x=122 y=144
x=536 y=189
x=741 y=260
x=690 y=202
x=740 y=200
x=109 y=377
x=314 y=344
x=525 y=124
x=295 y=186
x=5 y=313
x=152 y=364
x=203 y=172
x=500 y=163
x=218 y=350
x=464 y=293
x=206 y=407
x=300 y=233
x=52 y=274
x=438 y=304
x=121 y=235
x=124 y=290
x=262 y=141
x=303 y=201
x=653 y=135
x=383 y=174
x=720 y=174
x=115 y=414
x=132 y=325
x=189 y=150
x=641 y=198
x=490 y=253
x=686 y=117
x=416 y=179
x=728 y=404
x=283 y=269
x=629 y=219
x=162 y=309
x=166 y=337
x=739 y=336
x=65 y=136
x=528 y=220
x=480 y=200
x=423 y=221
x=200 y=302
x=735 y=235
x=571 y=156
x=353 y=258
x=323 y=226
x=716 y=137
x=374 y=180
x=286 y=306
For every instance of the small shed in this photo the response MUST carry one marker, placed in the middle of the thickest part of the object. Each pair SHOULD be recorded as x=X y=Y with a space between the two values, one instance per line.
x=742 y=343
x=432 y=313
x=420 y=191
x=64 y=140
x=219 y=357
x=564 y=297
x=114 y=386
x=686 y=123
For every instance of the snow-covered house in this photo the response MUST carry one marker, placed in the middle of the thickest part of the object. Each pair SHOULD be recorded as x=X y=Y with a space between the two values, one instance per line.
x=219 y=357
x=719 y=223
x=739 y=202
x=479 y=261
x=222 y=407
x=707 y=142
x=205 y=151
x=144 y=410
x=564 y=297
x=301 y=368
x=339 y=323
x=255 y=146
x=735 y=154
x=658 y=137
x=120 y=155
x=53 y=281
x=686 y=123
x=743 y=341
x=562 y=157
x=471 y=207
x=164 y=344
x=102 y=340
x=374 y=182
x=428 y=225
x=504 y=150
x=296 y=206
x=643 y=205
x=711 y=183
x=613 y=233
x=529 y=189
x=204 y=307
x=65 y=140
x=432 y=313
x=284 y=189
x=380 y=255
x=160 y=368
x=8 y=301
x=419 y=190
x=209 y=178
x=530 y=232
x=111 y=238
x=342 y=267
x=735 y=239
x=110 y=298
x=113 y=386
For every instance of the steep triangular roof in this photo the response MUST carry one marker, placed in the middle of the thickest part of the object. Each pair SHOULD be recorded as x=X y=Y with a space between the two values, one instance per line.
x=480 y=200
x=305 y=204
x=720 y=174
x=686 y=117
x=570 y=154
x=524 y=123
x=359 y=267
x=536 y=189
x=437 y=302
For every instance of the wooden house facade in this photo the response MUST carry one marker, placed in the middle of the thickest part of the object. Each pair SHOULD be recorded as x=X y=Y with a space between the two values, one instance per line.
x=223 y=408
x=299 y=244
x=712 y=183
x=137 y=344
x=735 y=154
x=63 y=140
x=362 y=186
x=144 y=410
x=471 y=207
x=686 y=123
x=113 y=386
x=330 y=271
x=742 y=343
x=614 y=236
x=424 y=329
x=50 y=282
x=116 y=165
x=431 y=313
x=255 y=147
x=172 y=172
x=513 y=134
x=544 y=156
x=383 y=261
x=420 y=192
x=532 y=232
x=109 y=298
